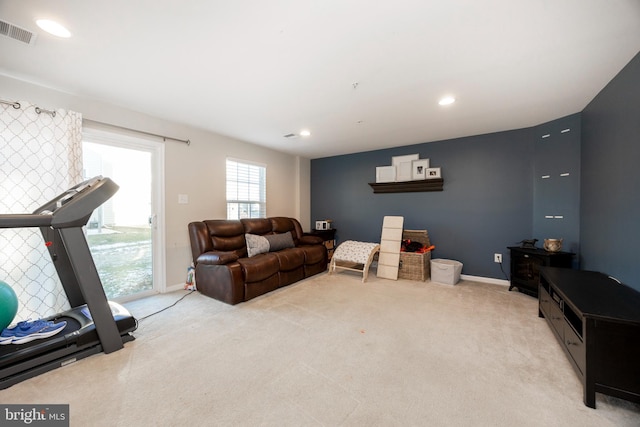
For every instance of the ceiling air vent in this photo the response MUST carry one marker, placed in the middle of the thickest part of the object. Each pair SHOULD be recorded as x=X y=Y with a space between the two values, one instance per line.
x=290 y=135
x=17 y=33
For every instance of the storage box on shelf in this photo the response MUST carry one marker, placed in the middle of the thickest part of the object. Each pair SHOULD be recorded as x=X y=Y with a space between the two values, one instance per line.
x=413 y=265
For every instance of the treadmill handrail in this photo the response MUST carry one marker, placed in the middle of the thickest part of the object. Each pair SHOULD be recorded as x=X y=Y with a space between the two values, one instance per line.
x=25 y=220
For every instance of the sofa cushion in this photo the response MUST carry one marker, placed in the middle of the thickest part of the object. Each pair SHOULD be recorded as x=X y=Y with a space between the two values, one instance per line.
x=226 y=235
x=281 y=224
x=290 y=258
x=314 y=254
x=259 y=267
x=269 y=243
x=256 y=244
x=259 y=226
x=280 y=241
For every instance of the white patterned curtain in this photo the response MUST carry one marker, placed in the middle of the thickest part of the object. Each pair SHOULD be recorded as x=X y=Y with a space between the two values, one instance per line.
x=40 y=157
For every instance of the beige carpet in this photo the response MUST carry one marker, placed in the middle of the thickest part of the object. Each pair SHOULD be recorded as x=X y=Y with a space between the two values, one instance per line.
x=332 y=351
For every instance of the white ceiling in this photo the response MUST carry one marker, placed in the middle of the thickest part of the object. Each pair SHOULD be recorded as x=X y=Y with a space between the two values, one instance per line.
x=359 y=74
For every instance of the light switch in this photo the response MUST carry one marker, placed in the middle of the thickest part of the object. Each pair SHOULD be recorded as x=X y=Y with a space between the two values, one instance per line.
x=183 y=199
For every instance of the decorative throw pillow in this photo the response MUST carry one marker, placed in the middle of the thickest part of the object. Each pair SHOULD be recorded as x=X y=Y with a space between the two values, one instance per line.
x=280 y=241
x=256 y=244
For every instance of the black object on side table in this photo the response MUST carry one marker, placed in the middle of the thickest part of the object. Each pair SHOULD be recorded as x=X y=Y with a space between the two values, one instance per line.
x=526 y=263
x=329 y=237
x=596 y=320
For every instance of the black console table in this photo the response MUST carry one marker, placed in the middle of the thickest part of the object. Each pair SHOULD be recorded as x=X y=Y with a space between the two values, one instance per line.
x=597 y=323
x=526 y=263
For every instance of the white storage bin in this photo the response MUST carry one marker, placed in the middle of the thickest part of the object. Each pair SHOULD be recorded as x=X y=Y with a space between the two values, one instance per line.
x=445 y=271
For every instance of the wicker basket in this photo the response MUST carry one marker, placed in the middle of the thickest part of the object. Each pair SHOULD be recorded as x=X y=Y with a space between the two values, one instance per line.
x=415 y=266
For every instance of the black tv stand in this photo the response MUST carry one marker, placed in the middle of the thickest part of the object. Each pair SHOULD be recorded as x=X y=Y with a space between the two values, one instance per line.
x=597 y=323
x=94 y=324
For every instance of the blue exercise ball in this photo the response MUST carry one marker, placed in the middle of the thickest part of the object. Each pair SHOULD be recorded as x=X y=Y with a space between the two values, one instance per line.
x=8 y=304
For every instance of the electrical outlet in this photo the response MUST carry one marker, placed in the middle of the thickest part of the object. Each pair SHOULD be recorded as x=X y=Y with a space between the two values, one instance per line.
x=497 y=258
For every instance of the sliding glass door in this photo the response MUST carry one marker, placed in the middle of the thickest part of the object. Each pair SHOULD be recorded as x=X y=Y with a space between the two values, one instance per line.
x=123 y=234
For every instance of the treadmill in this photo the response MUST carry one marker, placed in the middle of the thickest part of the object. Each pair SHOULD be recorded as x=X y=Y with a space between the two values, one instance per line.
x=94 y=324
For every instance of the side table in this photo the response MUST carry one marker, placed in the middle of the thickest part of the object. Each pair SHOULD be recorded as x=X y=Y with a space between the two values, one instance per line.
x=526 y=263
x=329 y=238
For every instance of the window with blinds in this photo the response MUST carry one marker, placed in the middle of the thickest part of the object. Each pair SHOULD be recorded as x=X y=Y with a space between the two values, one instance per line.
x=246 y=190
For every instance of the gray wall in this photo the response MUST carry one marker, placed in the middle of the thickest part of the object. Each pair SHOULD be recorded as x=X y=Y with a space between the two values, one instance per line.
x=486 y=204
x=610 y=197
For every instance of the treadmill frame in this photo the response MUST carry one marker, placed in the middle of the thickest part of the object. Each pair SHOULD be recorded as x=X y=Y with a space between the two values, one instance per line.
x=60 y=222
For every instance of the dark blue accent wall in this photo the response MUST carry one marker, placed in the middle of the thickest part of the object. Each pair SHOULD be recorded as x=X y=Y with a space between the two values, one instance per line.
x=486 y=204
x=610 y=191
x=556 y=177
x=491 y=198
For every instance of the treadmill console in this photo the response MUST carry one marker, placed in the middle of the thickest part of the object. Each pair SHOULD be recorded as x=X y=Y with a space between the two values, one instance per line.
x=74 y=207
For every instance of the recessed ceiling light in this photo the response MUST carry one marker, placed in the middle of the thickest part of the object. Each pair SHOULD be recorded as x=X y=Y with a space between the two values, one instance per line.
x=447 y=100
x=305 y=133
x=52 y=27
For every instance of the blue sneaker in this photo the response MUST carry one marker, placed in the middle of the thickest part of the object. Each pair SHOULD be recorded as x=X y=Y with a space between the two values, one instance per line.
x=7 y=334
x=27 y=331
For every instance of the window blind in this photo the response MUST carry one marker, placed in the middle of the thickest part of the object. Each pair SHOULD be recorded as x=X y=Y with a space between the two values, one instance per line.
x=246 y=190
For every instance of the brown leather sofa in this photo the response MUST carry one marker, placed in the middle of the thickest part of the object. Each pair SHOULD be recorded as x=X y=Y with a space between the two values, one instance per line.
x=225 y=271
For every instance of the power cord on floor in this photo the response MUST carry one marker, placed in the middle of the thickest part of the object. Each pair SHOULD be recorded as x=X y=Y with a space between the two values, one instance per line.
x=166 y=308
x=501 y=269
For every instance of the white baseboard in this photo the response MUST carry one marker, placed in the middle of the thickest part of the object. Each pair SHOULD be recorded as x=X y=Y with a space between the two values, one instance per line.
x=173 y=288
x=501 y=282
